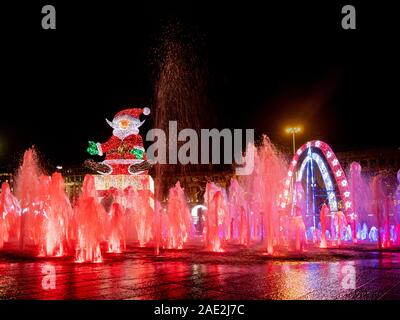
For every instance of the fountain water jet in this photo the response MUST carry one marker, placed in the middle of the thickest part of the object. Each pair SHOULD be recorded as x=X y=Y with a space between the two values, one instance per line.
x=323 y=217
x=340 y=223
x=27 y=191
x=381 y=208
x=238 y=224
x=58 y=228
x=116 y=232
x=178 y=218
x=300 y=230
x=361 y=197
x=89 y=214
x=397 y=209
x=217 y=210
x=264 y=186
x=10 y=212
x=42 y=219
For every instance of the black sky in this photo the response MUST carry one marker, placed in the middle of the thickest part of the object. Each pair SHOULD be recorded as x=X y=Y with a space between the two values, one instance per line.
x=268 y=65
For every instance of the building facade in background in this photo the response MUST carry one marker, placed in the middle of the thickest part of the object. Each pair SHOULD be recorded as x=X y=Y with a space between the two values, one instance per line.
x=372 y=161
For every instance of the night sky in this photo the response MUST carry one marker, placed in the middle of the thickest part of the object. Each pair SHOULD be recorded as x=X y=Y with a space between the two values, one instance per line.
x=265 y=66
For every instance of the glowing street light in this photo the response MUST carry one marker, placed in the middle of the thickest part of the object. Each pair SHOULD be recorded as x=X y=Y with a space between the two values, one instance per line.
x=293 y=131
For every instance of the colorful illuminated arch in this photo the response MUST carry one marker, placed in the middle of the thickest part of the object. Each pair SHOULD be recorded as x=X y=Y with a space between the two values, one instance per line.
x=329 y=187
x=334 y=164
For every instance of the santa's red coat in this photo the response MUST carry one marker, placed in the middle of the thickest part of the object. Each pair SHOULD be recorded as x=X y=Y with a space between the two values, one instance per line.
x=118 y=152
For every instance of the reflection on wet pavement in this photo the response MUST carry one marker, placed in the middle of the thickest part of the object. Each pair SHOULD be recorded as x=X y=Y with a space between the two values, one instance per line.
x=188 y=274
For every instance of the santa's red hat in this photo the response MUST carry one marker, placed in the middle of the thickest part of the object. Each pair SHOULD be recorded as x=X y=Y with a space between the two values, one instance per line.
x=133 y=112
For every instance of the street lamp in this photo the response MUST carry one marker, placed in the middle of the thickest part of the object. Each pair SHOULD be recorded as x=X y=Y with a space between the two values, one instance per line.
x=293 y=131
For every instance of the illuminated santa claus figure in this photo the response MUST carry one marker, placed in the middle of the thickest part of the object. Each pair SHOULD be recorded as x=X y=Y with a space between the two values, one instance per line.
x=124 y=151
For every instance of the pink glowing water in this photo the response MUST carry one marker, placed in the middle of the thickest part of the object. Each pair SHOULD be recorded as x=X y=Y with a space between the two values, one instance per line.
x=340 y=223
x=238 y=224
x=381 y=209
x=41 y=219
x=37 y=215
x=397 y=210
x=299 y=230
x=179 y=224
x=235 y=198
x=47 y=224
x=361 y=196
x=263 y=187
x=376 y=217
x=323 y=218
x=217 y=211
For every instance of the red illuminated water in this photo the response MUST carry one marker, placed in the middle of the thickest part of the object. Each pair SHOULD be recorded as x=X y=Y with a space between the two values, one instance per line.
x=217 y=211
x=238 y=222
x=262 y=188
x=179 y=224
x=58 y=227
x=38 y=218
x=10 y=211
x=89 y=219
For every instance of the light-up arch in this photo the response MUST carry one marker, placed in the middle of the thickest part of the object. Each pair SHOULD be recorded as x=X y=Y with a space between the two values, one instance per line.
x=332 y=201
x=336 y=168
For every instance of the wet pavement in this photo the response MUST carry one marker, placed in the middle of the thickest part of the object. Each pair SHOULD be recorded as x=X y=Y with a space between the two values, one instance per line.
x=193 y=274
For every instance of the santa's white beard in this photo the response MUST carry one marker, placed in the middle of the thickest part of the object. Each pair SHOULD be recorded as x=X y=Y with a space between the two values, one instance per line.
x=122 y=134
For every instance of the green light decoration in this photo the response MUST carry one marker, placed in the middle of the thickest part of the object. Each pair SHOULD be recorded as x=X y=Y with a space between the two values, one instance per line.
x=138 y=153
x=92 y=149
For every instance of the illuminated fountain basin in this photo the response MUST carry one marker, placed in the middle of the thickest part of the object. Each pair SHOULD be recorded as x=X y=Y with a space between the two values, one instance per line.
x=265 y=210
